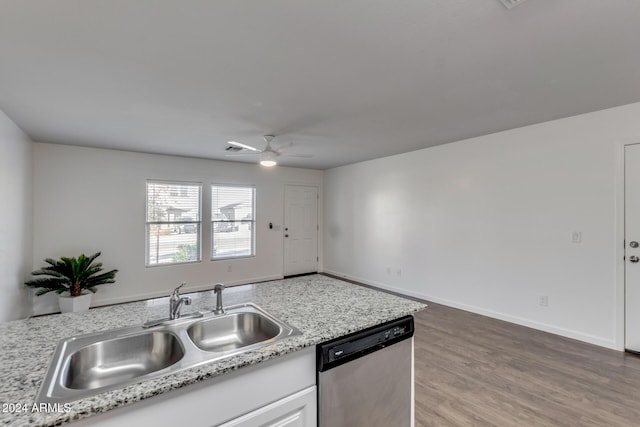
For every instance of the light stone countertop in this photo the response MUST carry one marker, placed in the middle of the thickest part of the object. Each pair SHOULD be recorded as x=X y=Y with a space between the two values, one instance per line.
x=322 y=308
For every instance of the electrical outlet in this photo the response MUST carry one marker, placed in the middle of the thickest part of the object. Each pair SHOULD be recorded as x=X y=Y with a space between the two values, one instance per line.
x=229 y=269
x=544 y=301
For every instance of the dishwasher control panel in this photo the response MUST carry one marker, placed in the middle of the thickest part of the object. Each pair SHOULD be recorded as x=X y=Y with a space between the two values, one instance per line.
x=342 y=350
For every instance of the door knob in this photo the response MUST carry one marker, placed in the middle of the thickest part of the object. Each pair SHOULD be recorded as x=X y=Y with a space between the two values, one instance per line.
x=634 y=244
x=634 y=258
x=286 y=235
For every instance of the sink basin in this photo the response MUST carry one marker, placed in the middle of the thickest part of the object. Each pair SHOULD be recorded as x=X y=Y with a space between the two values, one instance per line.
x=118 y=360
x=232 y=331
x=88 y=364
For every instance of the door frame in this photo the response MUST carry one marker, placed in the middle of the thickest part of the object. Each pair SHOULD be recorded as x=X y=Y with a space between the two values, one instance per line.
x=319 y=217
x=620 y=262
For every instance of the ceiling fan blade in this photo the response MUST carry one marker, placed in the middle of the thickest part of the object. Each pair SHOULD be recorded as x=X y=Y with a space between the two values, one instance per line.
x=304 y=156
x=241 y=145
x=283 y=147
x=242 y=154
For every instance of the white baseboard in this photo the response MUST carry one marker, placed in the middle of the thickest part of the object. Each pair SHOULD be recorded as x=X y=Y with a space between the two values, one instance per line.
x=568 y=333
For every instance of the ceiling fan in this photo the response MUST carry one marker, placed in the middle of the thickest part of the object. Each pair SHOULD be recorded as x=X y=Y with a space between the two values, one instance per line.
x=268 y=155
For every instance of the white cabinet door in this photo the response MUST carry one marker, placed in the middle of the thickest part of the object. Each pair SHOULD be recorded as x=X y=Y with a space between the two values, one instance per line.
x=297 y=410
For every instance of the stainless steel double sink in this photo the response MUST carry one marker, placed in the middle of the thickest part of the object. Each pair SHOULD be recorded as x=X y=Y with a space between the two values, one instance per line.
x=90 y=364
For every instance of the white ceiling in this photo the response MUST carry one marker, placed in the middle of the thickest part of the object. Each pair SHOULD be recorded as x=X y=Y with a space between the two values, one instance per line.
x=345 y=80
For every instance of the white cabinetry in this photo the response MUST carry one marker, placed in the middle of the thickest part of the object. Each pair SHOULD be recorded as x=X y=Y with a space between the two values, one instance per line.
x=297 y=410
x=279 y=392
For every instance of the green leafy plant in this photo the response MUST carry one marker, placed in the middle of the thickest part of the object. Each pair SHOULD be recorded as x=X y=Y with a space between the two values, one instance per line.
x=71 y=274
x=186 y=253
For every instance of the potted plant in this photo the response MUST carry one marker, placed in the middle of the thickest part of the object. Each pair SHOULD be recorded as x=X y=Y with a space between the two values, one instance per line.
x=72 y=278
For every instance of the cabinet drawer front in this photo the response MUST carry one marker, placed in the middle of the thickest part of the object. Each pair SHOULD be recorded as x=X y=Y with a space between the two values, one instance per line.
x=297 y=410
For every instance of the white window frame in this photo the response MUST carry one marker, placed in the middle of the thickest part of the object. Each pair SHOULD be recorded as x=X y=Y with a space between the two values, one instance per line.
x=239 y=221
x=148 y=223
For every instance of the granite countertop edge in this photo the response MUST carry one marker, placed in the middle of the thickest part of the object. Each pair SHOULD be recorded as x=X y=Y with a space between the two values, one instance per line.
x=344 y=308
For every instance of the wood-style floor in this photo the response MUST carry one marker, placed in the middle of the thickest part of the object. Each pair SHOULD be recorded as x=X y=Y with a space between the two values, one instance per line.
x=474 y=370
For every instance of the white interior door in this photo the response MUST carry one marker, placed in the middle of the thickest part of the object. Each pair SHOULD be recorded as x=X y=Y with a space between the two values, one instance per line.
x=632 y=246
x=300 y=229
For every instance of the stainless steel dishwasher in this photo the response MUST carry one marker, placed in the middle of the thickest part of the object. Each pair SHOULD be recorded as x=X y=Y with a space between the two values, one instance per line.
x=365 y=379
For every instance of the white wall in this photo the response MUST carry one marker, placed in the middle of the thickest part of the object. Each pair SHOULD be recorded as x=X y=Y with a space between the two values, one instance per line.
x=15 y=219
x=88 y=200
x=484 y=224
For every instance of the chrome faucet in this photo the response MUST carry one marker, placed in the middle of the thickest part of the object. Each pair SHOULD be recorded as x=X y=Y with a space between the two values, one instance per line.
x=175 y=304
x=176 y=301
x=218 y=290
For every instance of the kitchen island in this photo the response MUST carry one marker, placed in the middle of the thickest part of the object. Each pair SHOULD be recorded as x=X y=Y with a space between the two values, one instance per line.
x=321 y=308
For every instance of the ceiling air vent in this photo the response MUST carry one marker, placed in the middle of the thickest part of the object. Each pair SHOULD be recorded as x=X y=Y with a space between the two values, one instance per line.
x=511 y=3
x=233 y=149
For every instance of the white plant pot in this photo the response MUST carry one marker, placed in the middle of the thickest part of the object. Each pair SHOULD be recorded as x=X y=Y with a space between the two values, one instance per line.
x=70 y=304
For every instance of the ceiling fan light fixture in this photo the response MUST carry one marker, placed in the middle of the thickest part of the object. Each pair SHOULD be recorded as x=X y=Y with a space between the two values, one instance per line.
x=268 y=159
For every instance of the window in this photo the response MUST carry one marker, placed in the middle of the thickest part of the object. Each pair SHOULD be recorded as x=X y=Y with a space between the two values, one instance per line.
x=232 y=221
x=173 y=223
